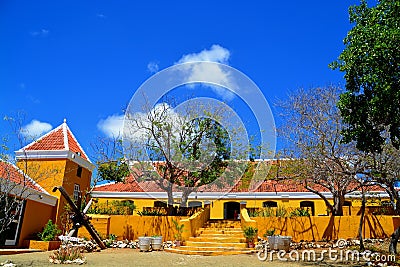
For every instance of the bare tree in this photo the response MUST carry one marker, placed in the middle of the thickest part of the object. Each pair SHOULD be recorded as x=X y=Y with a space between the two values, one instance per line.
x=312 y=126
x=384 y=169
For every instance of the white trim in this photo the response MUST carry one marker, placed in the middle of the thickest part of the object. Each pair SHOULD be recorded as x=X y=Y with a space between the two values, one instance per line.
x=216 y=195
x=65 y=130
x=65 y=135
x=29 y=193
x=54 y=154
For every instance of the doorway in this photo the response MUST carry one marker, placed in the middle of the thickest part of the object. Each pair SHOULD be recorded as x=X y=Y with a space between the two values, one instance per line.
x=231 y=209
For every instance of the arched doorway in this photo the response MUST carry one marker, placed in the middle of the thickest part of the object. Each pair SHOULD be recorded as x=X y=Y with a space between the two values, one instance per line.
x=231 y=209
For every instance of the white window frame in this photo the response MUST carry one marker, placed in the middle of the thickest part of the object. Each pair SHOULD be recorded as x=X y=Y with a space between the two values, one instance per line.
x=77 y=190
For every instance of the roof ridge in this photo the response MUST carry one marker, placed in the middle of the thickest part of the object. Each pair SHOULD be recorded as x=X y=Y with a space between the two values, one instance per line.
x=65 y=134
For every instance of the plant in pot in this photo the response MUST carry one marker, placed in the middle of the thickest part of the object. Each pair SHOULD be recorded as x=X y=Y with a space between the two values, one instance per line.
x=178 y=235
x=250 y=233
x=47 y=238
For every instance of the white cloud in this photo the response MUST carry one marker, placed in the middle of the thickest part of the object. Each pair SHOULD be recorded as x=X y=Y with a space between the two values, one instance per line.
x=161 y=112
x=35 y=129
x=216 y=53
x=40 y=33
x=112 y=125
x=101 y=15
x=215 y=74
x=152 y=67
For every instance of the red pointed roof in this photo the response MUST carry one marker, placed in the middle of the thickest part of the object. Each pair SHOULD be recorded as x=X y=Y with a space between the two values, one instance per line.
x=60 y=138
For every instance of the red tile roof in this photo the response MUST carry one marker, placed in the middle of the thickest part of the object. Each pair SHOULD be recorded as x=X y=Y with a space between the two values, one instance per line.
x=269 y=185
x=11 y=173
x=60 y=138
x=130 y=185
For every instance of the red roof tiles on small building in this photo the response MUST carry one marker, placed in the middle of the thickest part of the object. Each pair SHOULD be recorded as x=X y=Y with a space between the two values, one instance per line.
x=60 y=138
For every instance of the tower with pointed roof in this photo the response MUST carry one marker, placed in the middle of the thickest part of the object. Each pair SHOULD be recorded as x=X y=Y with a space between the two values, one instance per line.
x=57 y=159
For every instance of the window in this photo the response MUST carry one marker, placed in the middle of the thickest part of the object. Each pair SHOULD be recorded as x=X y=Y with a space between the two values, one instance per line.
x=347 y=204
x=270 y=204
x=79 y=171
x=195 y=204
x=160 y=204
x=77 y=191
x=308 y=205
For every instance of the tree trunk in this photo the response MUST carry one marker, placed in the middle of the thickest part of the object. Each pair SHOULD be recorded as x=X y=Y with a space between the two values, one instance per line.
x=185 y=196
x=170 y=203
x=393 y=241
x=338 y=201
x=360 y=227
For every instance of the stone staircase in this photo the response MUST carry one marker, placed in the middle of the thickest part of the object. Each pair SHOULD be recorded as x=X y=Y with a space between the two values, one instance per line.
x=217 y=237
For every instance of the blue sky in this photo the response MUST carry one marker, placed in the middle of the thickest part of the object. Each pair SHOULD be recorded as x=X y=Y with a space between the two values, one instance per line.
x=83 y=60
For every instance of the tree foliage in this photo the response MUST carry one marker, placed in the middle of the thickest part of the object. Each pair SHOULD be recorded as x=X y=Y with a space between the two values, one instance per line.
x=371 y=63
x=188 y=149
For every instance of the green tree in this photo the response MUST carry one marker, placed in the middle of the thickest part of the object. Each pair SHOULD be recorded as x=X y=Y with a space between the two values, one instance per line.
x=110 y=162
x=370 y=105
x=371 y=63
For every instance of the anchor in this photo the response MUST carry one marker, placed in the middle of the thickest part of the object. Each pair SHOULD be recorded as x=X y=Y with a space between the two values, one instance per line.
x=79 y=218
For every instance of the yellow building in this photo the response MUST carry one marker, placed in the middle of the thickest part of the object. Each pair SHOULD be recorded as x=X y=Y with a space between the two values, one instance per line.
x=55 y=159
x=35 y=206
x=282 y=195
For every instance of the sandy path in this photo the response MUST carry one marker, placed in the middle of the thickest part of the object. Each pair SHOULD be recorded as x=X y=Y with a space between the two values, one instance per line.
x=131 y=257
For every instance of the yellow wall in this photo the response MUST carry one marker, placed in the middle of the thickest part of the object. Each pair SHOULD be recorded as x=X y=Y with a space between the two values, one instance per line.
x=35 y=218
x=49 y=173
x=131 y=227
x=217 y=206
x=328 y=228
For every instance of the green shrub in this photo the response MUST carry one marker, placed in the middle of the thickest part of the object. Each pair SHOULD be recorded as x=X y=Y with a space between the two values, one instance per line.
x=50 y=232
x=116 y=207
x=269 y=232
x=150 y=213
x=300 y=212
x=179 y=229
x=250 y=232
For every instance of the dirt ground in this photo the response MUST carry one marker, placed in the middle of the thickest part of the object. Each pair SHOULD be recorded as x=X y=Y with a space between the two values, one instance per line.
x=132 y=257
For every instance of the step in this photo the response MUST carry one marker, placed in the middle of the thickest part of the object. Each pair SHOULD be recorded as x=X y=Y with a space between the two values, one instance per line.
x=205 y=230
x=214 y=244
x=208 y=252
x=220 y=248
x=223 y=225
x=216 y=235
x=222 y=239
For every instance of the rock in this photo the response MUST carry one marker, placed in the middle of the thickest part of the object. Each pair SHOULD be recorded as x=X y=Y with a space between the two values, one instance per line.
x=7 y=263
